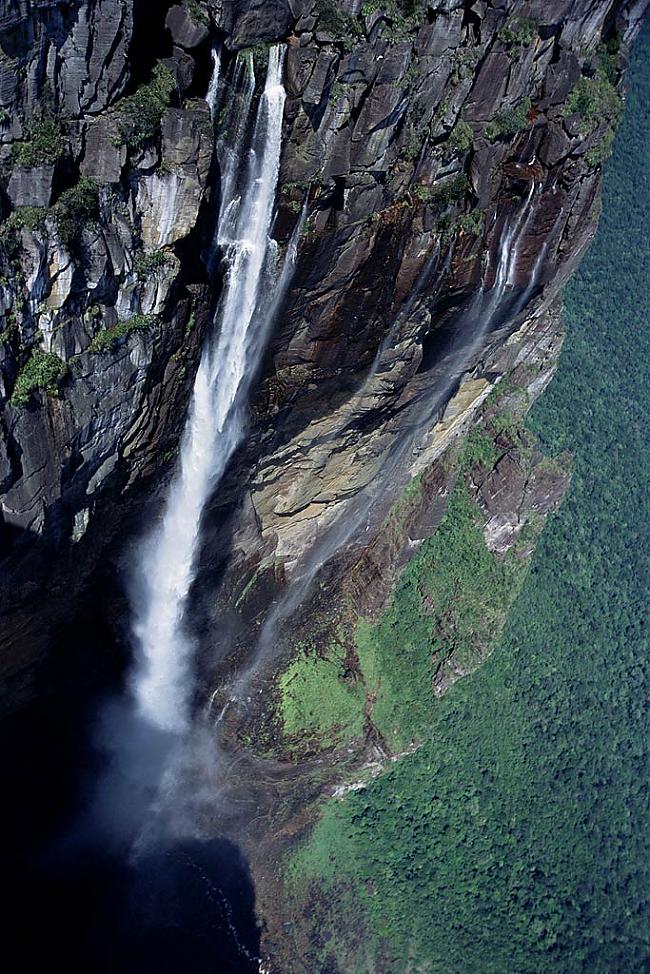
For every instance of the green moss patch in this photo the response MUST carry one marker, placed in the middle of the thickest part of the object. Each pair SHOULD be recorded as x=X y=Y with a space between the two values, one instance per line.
x=42 y=370
x=105 y=341
x=321 y=699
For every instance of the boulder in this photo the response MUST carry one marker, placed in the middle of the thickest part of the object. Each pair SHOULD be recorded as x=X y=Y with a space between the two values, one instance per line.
x=186 y=26
x=31 y=187
x=103 y=158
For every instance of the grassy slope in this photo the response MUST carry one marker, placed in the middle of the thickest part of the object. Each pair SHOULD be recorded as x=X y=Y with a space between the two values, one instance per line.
x=514 y=840
x=452 y=598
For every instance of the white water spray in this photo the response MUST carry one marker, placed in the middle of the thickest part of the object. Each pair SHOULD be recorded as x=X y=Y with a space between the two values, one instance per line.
x=212 y=96
x=161 y=683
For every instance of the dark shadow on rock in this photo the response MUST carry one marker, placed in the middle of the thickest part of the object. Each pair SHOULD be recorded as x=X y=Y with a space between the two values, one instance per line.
x=75 y=899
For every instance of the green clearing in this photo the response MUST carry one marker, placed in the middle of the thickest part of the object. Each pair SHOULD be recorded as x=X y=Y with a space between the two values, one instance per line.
x=452 y=597
x=514 y=841
x=318 y=702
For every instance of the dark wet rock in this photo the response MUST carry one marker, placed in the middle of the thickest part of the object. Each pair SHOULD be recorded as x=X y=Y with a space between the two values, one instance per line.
x=103 y=157
x=257 y=21
x=31 y=187
x=188 y=26
x=183 y=66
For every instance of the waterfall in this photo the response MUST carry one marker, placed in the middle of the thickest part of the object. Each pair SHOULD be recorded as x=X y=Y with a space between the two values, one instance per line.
x=161 y=682
x=231 y=151
x=212 y=97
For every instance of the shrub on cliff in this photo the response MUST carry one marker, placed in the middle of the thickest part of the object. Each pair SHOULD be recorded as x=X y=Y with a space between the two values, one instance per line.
x=42 y=370
x=105 y=341
x=518 y=33
x=334 y=21
x=43 y=143
x=461 y=136
x=76 y=207
x=472 y=223
x=445 y=192
x=145 y=264
x=32 y=217
x=140 y=114
x=509 y=122
x=393 y=8
x=594 y=99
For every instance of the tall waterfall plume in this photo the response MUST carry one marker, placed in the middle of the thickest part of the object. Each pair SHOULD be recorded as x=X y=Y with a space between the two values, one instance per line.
x=165 y=570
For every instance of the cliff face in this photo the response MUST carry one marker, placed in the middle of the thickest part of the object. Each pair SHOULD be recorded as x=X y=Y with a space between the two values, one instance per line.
x=424 y=140
x=439 y=178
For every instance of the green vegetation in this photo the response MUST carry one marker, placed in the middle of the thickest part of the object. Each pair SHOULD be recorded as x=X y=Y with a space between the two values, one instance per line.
x=10 y=329
x=394 y=9
x=334 y=21
x=472 y=222
x=197 y=14
x=336 y=91
x=596 y=100
x=477 y=447
x=260 y=56
x=139 y=115
x=75 y=208
x=518 y=32
x=465 y=61
x=42 y=370
x=320 y=698
x=444 y=193
x=461 y=136
x=451 y=601
x=400 y=18
x=144 y=264
x=509 y=122
x=43 y=143
x=602 y=150
x=608 y=58
x=105 y=341
x=515 y=839
x=32 y=217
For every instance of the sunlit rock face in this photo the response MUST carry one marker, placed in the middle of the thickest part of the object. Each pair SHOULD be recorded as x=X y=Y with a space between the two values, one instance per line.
x=419 y=147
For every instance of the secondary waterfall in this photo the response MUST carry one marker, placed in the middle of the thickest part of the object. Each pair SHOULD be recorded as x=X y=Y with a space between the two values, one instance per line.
x=161 y=681
x=212 y=96
x=474 y=323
